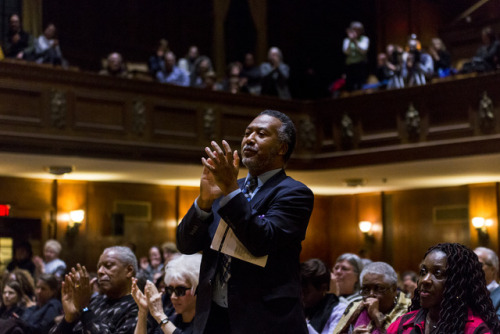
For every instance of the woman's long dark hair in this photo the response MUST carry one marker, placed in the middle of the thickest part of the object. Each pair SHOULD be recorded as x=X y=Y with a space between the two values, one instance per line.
x=465 y=288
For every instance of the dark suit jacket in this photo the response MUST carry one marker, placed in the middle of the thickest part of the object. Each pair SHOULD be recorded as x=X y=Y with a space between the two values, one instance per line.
x=273 y=223
x=495 y=298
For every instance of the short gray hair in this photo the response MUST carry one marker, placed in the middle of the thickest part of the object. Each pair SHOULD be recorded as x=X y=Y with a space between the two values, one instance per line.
x=184 y=268
x=355 y=262
x=277 y=50
x=125 y=255
x=353 y=259
x=492 y=257
x=54 y=245
x=381 y=268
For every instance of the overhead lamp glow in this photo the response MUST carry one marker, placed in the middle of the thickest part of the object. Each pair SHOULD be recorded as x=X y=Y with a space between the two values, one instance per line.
x=365 y=226
x=77 y=216
x=478 y=222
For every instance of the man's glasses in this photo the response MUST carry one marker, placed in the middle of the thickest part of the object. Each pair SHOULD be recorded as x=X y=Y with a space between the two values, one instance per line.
x=178 y=290
x=377 y=289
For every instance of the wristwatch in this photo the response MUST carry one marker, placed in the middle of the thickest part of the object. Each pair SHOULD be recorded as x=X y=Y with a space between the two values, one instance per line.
x=164 y=321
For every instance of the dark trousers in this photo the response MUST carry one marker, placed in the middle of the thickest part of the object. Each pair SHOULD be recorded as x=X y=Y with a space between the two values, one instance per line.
x=355 y=76
x=218 y=321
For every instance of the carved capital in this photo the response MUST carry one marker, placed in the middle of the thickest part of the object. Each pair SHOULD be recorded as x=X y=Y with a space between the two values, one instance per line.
x=58 y=108
x=347 y=127
x=412 y=121
x=486 y=114
x=209 y=123
x=307 y=134
x=139 y=117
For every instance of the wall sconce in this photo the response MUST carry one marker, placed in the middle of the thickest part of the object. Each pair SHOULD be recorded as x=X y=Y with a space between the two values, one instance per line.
x=75 y=220
x=366 y=227
x=481 y=225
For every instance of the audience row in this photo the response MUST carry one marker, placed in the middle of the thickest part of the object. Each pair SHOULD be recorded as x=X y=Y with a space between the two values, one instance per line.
x=456 y=291
x=408 y=66
x=398 y=67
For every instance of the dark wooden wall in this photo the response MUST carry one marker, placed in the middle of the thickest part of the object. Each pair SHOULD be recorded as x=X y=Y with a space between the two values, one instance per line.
x=404 y=221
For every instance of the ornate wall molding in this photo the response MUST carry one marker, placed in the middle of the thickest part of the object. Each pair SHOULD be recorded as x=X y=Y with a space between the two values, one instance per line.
x=139 y=117
x=412 y=122
x=58 y=108
x=486 y=114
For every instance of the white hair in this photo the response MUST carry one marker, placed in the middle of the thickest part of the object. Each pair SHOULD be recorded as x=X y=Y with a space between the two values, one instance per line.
x=125 y=255
x=491 y=256
x=380 y=268
x=54 y=245
x=185 y=268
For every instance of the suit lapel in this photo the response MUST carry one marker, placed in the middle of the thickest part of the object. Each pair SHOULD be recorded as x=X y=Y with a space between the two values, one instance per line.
x=264 y=191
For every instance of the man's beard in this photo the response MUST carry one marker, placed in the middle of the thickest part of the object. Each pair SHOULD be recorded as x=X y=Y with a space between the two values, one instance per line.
x=260 y=163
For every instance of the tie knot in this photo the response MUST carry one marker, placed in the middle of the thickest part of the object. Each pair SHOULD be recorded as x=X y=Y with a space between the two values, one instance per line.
x=251 y=184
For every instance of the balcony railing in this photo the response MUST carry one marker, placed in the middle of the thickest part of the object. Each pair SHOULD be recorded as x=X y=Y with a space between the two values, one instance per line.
x=55 y=111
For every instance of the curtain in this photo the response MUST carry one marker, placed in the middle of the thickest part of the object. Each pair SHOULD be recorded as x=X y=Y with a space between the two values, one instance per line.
x=221 y=8
x=32 y=17
x=258 y=10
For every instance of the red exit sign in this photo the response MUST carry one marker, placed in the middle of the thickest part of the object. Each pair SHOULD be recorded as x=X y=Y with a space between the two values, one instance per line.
x=4 y=210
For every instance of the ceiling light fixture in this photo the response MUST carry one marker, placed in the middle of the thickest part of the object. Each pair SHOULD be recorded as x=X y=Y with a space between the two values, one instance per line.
x=354 y=182
x=59 y=170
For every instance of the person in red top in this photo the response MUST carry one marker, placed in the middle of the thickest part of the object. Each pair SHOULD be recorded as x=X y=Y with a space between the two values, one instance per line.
x=451 y=296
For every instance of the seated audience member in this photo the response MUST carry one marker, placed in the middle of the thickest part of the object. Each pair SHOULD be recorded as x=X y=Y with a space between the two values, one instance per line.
x=355 y=48
x=275 y=74
x=172 y=74
x=19 y=43
x=157 y=61
x=440 y=57
x=210 y=81
x=115 y=67
x=112 y=311
x=345 y=279
x=251 y=73
x=181 y=278
x=395 y=64
x=418 y=66
x=13 y=300
x=409 y=283
x=187 y=63
x=489 y=261
x=152 y=267
x=51 y=263
x=383 y=71
x=451 y=296
x=318 y=304
x=233 y=82
x=23 y=254
x=170 y=251
x=489 y=52
x=381 y=305
x=47 y=49
x=24 y=278
x=202 y=66
x=41 y=317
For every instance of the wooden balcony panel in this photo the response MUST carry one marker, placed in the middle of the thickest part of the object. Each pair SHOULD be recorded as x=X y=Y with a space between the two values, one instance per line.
x=97 y=114
x=175 y=124
x=238 y=123
x=20 y=107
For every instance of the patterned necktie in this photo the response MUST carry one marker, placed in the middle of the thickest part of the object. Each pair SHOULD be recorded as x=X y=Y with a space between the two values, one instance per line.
x=225 y=264
x=249 y=188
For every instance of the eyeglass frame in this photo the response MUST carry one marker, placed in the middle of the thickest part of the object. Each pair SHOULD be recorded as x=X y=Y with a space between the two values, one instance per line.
x=377 y=289
x=180 y=291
